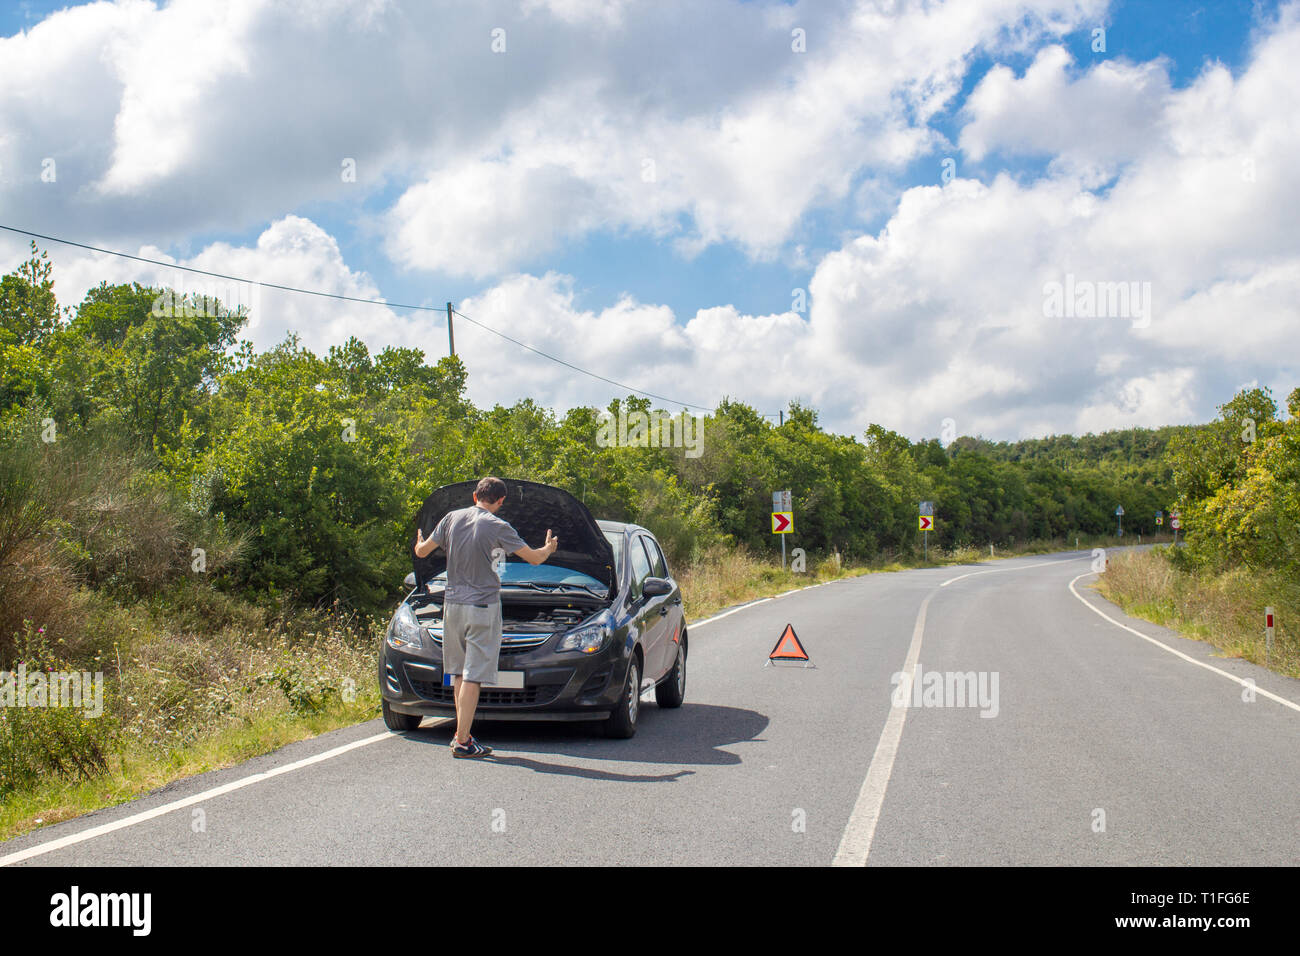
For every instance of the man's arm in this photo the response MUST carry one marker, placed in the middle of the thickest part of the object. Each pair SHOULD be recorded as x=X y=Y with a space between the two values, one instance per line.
x=424 y=546
x=538 y=555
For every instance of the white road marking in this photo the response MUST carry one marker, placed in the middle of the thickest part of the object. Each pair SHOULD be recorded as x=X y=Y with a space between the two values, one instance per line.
x=734 y=610
x=855 y=844
x=718 y=617
x=1209 y=667
x=141 y=817
x=1019 y=567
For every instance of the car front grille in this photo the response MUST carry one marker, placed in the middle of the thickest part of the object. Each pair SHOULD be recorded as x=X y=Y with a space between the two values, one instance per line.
x=510 y=643
x=488 y=697
x=510 y=649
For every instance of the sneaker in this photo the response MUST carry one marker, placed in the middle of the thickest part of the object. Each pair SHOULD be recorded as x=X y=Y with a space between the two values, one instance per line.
x=471 y=749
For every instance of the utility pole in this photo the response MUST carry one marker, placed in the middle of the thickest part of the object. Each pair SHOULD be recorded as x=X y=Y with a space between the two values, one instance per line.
x=451 y=338
x=783 y=416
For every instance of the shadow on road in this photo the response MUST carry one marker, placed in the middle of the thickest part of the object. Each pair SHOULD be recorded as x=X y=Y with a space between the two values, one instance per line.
x=692 y=734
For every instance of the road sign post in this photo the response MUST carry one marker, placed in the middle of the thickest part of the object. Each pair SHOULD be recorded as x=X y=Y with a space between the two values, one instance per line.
x=925 y=522
x=1268 y=634
x=782 y=518
x=1119 y=516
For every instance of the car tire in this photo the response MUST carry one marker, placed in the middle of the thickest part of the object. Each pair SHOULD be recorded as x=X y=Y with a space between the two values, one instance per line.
x=622 y=723
x=671 y=691
x=399 y=723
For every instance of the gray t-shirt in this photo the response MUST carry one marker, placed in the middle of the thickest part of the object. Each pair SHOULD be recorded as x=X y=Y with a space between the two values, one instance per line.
x=469 y=536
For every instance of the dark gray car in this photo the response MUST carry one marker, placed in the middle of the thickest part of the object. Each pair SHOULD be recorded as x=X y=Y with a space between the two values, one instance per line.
x=584 y=634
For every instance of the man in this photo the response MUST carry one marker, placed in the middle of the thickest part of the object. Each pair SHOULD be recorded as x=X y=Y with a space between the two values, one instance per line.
x=471 y=605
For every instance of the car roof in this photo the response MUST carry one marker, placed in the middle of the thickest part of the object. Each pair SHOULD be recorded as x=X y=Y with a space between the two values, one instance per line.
x=620 y=526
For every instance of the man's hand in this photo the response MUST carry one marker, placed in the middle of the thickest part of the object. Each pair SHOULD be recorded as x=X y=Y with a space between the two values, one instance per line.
x=423 y=546
x=538 y=555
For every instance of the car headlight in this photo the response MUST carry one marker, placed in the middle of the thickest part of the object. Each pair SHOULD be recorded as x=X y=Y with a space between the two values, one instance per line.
x=588 y=639
x=404 y=631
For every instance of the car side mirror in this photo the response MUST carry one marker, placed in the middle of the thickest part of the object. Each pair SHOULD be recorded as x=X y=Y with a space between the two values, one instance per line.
x=656 y=587
x=409 y=580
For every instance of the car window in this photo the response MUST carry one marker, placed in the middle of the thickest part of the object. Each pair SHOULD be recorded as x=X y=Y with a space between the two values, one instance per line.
x=657 y=563
x=640 y=568
x=615 y=539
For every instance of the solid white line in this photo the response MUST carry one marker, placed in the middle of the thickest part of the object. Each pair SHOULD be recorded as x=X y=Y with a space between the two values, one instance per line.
x=806 y=587
x=1019 y=567
x=860 y=831
x=734 y=610
x=1209 y=667
x=90 y=834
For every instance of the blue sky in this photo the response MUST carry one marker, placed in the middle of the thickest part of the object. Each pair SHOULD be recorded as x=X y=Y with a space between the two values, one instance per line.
x=515 y=192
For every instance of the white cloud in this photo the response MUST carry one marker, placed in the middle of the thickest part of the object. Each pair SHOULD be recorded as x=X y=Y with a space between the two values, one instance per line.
x=199 y=116
x=1145 y=400
x=471 y=163
x=1087 y=124
x=741 y=156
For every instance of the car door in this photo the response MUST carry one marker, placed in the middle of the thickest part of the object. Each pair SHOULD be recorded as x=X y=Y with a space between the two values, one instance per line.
x=671 y=608
x=654 y=613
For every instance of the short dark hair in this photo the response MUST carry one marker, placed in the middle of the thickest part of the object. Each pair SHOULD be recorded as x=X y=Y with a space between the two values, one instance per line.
x=490 y=490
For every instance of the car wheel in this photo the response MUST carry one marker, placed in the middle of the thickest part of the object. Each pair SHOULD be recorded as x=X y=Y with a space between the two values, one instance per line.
x=399 y=723
x=672 y=690
x=622 y=723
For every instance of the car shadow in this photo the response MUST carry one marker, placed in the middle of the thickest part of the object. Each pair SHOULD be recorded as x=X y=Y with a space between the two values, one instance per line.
x=693 y=734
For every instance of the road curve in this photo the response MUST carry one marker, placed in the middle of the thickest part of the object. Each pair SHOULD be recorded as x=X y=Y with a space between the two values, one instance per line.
x=1099 y=748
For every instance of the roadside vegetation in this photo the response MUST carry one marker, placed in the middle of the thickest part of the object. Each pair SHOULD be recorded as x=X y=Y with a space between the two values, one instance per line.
x=1225 y=609
x=1237 y=482
x=222 y=533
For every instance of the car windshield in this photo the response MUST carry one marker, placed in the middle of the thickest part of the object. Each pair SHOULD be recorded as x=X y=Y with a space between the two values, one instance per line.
x=521 y=572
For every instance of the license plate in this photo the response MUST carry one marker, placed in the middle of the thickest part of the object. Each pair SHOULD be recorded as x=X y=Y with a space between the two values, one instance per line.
x=506 y=680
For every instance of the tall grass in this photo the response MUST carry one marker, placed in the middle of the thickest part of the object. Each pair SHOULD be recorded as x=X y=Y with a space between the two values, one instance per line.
x=1226 y=609
x=723 y=576
x=177 y=701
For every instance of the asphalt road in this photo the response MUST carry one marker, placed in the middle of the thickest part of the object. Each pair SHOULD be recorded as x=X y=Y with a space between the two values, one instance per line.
x=1098 y=747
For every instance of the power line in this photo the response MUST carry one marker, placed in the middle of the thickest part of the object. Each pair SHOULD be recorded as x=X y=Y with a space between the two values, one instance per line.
x=576 y=368
x=351 y=298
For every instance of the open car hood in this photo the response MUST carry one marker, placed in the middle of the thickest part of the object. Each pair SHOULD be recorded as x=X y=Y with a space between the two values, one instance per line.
x=530 y=508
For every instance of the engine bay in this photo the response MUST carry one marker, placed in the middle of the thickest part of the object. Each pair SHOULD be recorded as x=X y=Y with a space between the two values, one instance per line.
x=521 y=613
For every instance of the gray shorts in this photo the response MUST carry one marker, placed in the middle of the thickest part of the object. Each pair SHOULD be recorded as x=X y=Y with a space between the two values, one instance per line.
x=471 y=641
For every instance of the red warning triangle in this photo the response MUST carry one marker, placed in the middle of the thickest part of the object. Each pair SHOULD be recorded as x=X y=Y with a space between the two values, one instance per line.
x=788 y=647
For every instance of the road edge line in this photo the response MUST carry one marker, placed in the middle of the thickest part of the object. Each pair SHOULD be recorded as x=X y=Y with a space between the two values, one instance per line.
x=1209 y=667
x=72 y=839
